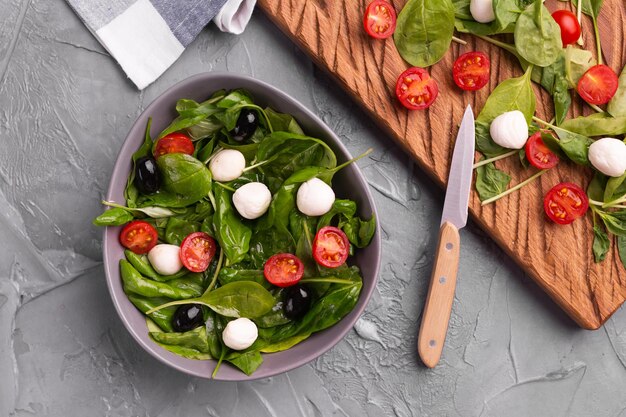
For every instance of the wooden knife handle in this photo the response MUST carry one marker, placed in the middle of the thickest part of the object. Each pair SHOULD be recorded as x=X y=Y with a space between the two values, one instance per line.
x=436 y=315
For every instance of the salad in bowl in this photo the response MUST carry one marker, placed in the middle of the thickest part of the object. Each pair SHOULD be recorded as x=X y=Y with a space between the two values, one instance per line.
x=232 y=241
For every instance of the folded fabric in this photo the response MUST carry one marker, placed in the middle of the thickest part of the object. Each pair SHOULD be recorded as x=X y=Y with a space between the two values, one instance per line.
x=147 y=36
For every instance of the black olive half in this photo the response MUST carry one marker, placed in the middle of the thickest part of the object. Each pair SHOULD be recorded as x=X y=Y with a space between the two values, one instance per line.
x=247 y=123
x=296 y=301
x=147 y=178
x=187 y=317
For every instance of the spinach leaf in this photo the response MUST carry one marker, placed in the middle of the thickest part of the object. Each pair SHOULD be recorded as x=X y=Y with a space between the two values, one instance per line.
x=621 y=249
x=184 y=175
x=268 y=242
x=142 y=265
x=490 y=181
x=113 y=217
x=274 y=317
x=247 y=362
x=424 y=31
x=131 y=192
x=233 y=274
x=617 y=105
x=190 y=114
x=597 y=124
x=591 y=7
x=178 y=229
x=178 y=349
x=234 y=98
x=248 y=150
x=193 y=339
x=537 y=35
x=204 y=128
x=596 y=187
x=177 y=289
x=569 y=144
x=615 y=188
x=283 y=122
x=577 y=62
x=285 y=344
x=232 y=235
x=506 y=14
x=614 y=221
x=163 y=317
x=601 y=244
x=511 y=94
x=237 y=299
x=360 y=232
x=346 y=209
x=553 y=79
x=166 y=199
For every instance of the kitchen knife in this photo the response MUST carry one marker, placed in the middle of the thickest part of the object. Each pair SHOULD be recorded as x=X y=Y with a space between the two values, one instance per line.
x=436 y=315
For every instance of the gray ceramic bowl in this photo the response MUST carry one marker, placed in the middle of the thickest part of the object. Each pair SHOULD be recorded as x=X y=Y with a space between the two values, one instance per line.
x=348 y=183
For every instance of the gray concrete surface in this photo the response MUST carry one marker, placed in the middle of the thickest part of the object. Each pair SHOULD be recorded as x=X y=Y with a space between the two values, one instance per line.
x=65 y=108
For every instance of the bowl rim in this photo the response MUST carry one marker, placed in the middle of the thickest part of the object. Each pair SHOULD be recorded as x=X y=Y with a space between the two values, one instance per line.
x=120 y=167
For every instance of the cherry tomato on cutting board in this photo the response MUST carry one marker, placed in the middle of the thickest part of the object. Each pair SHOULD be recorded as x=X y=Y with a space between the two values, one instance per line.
x=471 y=71
x=174 y=143
x=565 y=202
x=331 y=247
x=197 y=251
x=415 y=89
x=379 y=19
x=598 y=85
x=283 y=269
x=139 y=237
x=570 y=28
x=538 y=154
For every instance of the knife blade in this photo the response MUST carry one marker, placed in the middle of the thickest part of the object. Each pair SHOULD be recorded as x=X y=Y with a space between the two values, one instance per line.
x=436 y=315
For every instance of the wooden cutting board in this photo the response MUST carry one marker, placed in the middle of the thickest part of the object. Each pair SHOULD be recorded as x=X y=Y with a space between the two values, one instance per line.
x=558 y=258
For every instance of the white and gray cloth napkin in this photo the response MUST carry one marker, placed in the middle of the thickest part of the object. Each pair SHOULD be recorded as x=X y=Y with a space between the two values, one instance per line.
x=147 y=36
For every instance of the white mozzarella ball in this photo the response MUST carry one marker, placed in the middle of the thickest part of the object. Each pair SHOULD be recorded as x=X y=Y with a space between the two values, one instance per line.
x=315 y=197
x=240 y=334
x=252 y=200
x=510 y=130
x=482 y=11
x=165 y=259
x=608 y=155
x=227 y=165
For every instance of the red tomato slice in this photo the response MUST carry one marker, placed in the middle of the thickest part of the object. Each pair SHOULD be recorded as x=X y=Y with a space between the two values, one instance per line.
x=139 y=236
x=197 y=251
x=471 y=71
x=538 y=154
x=415 y=89
x=565 y=202
x=379 y=19
x=570 y=28
x=331 y=247
x=174 y=143
x=598 y=85
x=283 y=270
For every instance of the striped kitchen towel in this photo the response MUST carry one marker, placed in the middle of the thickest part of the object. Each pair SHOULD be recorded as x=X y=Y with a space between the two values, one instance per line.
x=147 y=36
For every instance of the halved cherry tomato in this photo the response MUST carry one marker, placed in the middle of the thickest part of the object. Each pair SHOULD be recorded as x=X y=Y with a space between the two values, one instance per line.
x=538 y=153
x=565 y=202
x=139 y=236
x=331 y=247
x=570 y=28
x=598 y=85
x=174 y=143
x=471 y=71
x=197 y=251
x=379 y=19
x=415 y=89
x=283 y=270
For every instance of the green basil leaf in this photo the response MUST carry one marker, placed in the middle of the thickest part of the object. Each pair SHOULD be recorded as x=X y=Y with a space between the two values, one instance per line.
x=538 y=36
x=424 y=31
x=113 y=217
x=490 y=181
x=601 y=244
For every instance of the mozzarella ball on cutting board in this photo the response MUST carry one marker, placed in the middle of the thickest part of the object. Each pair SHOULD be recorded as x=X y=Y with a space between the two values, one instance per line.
x=608 y=155
x=252 y=200
x=227 y=165
x=240 y=334
x=165 y=259
x=482 y=11
x=510 y=130
x=315 y=197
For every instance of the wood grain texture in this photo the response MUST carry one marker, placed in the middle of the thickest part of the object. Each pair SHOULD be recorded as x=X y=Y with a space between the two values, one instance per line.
x=558 y=258
x=438 y=306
